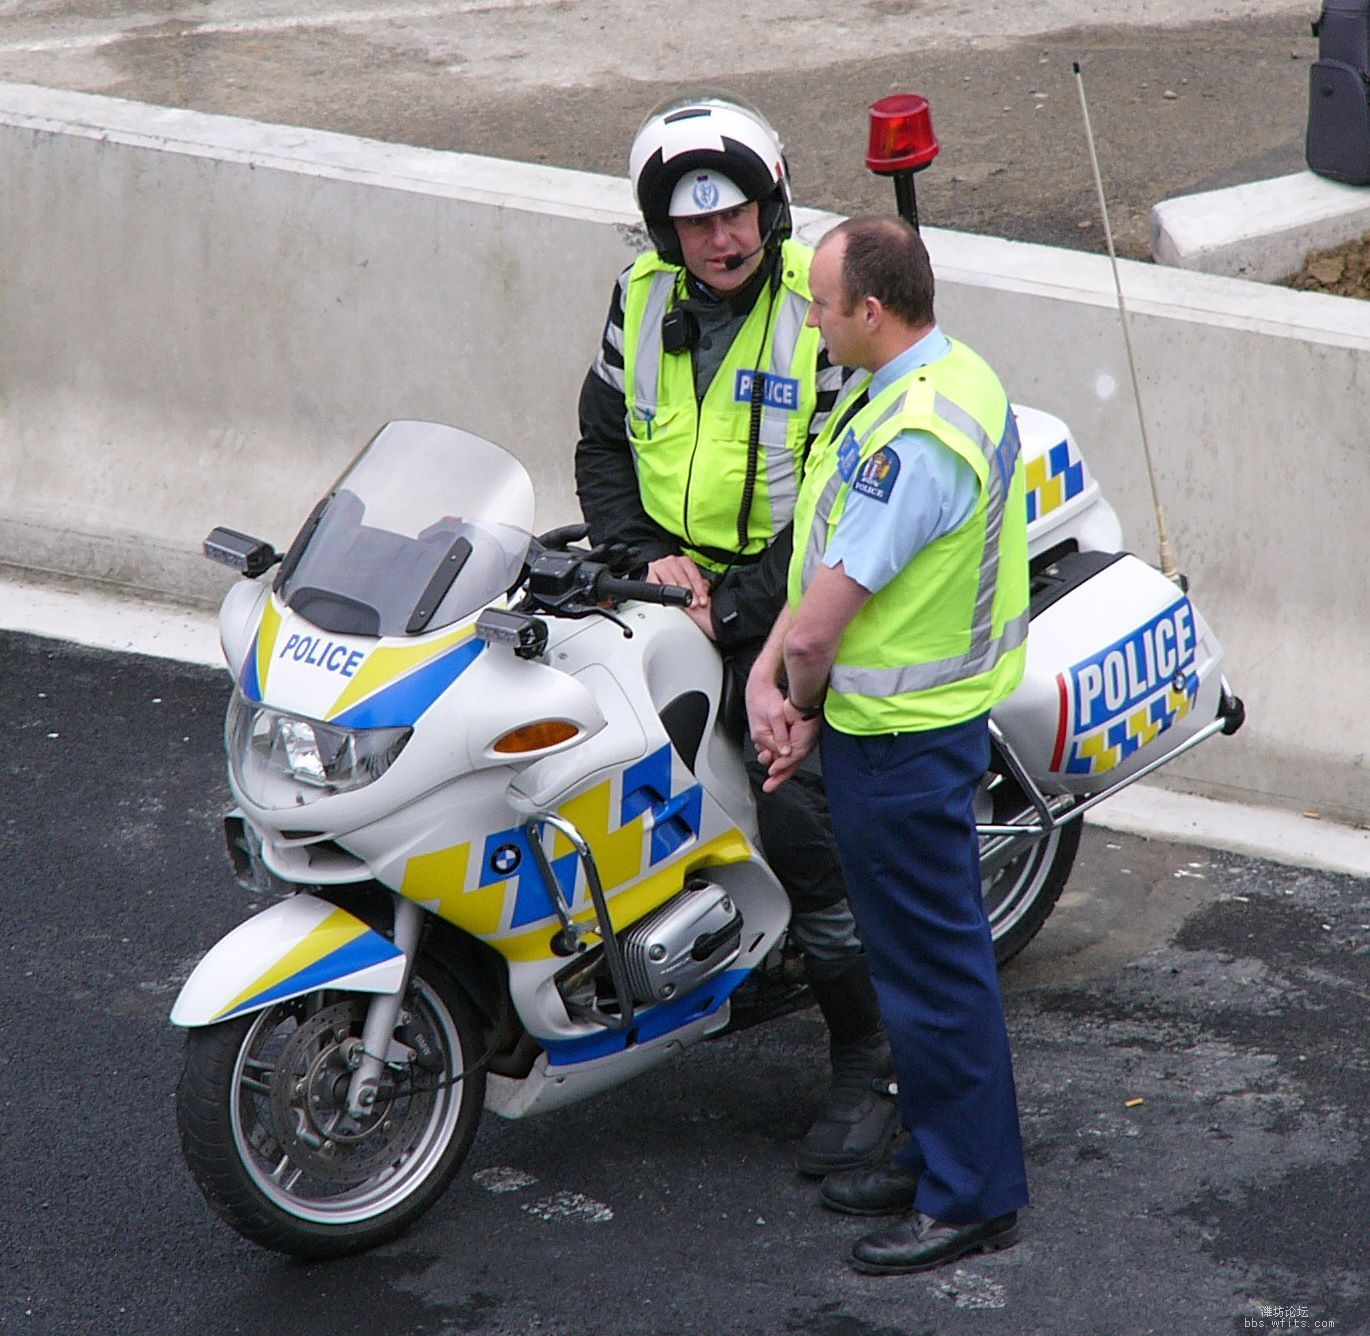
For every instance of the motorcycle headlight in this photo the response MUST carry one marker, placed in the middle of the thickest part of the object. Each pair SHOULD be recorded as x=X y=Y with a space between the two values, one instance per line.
x=283 y=760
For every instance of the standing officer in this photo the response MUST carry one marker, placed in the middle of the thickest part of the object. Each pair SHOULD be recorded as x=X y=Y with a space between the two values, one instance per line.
x=907 y=620
x=696 y=420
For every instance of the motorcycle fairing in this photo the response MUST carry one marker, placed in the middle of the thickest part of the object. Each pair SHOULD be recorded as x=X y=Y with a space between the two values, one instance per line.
x=296 y=946
x=661 y=1019
x=640 y=822
x=351 y=681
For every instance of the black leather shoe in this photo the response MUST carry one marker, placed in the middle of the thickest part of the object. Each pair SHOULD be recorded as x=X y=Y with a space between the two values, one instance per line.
x=923 y=1243
x=886 y=1191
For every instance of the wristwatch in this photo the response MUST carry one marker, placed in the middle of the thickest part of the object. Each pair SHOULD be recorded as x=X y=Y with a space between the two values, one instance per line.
x=805 y=711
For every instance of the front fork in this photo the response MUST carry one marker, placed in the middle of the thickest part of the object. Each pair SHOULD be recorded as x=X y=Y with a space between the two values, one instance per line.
x=383 y=1015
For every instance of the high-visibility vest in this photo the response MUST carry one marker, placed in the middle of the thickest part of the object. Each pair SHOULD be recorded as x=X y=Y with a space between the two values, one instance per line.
x=946 y=639
x=691 y=456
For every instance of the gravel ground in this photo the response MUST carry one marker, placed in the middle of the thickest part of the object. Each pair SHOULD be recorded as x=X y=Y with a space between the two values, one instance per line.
x=1343 y=271
x=1177 y=105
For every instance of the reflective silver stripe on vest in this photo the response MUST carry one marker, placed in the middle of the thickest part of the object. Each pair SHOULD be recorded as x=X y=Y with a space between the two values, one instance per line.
x=647 y=360
x=613 y=338
x=986 y=649
x=818 y=531
x=982 y=620
x=924 y=676
x=782 y=473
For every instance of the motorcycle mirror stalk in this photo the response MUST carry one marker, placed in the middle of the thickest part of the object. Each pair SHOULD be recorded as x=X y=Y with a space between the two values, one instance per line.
x=250 y=557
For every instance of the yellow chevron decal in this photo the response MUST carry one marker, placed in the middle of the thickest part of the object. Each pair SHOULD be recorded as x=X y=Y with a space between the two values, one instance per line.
x=1050 y=490
x=387 y=662
x=266 y=638
x=618 y=853
x=440 y=879
x=1141 y=728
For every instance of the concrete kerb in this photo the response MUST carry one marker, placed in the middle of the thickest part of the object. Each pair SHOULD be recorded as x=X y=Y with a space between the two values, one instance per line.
x=1264 y=230
x=369 y=281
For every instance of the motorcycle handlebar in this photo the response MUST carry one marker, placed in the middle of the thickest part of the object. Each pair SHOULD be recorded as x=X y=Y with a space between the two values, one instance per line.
x=611 y=587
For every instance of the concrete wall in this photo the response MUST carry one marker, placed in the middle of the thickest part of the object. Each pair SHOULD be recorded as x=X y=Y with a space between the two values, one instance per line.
x=201 y=320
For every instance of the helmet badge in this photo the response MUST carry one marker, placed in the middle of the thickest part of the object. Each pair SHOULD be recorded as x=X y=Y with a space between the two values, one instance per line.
x=705 y=194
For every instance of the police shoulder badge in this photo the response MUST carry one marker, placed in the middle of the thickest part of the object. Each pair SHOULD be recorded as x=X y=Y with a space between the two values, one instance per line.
x=877 y=475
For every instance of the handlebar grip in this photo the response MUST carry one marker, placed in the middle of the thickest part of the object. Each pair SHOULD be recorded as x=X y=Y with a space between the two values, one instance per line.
x=611 y=587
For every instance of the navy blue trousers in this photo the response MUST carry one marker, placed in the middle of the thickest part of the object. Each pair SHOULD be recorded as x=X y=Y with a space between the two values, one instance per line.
x=902 y=810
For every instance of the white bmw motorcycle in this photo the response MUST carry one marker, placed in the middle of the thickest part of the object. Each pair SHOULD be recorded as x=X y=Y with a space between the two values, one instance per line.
x=516 y=847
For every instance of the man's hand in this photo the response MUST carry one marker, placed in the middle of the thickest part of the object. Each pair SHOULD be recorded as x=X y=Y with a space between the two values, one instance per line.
x=783 y=737
x=803 y=738
x=677 y=570
x=768 y=721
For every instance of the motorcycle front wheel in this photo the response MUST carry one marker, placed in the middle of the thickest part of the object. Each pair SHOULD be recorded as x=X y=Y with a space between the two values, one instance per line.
x=261 y=1109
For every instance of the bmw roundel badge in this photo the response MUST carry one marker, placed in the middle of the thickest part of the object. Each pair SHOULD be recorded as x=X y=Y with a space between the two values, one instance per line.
x=505 y=859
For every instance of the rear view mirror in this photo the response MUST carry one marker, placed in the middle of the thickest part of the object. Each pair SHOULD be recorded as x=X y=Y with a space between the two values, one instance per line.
x=249 y=556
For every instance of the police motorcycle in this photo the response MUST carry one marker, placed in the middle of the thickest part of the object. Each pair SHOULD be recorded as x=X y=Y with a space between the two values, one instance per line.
x=515 y=853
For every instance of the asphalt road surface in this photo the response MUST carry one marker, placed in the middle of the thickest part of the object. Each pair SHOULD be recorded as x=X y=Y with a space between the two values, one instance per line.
x=1190 y=1037
x=1228 y=996
x=1183 y=97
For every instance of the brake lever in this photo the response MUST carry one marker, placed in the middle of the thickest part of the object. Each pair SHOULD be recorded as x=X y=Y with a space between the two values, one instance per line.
x=613 y=617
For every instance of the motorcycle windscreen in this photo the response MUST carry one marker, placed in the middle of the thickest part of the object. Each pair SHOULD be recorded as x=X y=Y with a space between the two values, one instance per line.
x=428 y=525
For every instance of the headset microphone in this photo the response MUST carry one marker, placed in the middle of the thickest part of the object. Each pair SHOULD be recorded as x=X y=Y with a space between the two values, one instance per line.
x=737 y=261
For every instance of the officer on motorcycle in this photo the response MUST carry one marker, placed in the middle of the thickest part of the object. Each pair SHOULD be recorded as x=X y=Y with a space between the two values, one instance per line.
x=696 y=420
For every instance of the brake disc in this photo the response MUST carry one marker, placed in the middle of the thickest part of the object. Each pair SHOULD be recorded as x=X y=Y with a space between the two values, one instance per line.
x=309 y=1102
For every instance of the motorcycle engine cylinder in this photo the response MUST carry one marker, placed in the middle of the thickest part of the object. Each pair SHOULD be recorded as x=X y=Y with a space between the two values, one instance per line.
x=690 y=938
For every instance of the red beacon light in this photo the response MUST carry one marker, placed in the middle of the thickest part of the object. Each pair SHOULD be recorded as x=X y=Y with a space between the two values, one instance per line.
x=901 y=143
x=901 y=138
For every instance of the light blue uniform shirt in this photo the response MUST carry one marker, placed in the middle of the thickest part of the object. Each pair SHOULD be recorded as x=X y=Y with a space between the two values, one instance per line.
x=932 y=491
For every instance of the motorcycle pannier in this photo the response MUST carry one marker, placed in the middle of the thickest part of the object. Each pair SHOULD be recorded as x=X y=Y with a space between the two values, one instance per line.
x=1338 y=144
x=1121 y=669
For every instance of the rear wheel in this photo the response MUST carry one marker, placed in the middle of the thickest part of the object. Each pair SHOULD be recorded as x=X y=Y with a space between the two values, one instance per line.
x=261 y=1108
x=1020 y=892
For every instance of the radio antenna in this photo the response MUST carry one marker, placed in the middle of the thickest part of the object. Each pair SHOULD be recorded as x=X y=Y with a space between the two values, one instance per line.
x=1167 y=560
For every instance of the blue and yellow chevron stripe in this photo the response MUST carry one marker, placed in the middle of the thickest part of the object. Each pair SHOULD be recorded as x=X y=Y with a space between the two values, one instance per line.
x=1053 y=479
x=637 y=828
x=1112 y=745
x=391 y=688
x=338 y=946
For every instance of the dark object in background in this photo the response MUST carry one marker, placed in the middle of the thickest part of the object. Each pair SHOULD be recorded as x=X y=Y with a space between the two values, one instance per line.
x=1338 y=142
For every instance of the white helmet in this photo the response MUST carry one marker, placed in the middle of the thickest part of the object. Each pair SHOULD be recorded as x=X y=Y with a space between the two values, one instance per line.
x=698 y=155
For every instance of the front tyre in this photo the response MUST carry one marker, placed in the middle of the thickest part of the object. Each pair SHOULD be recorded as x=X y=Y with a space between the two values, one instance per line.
x=265 y=1131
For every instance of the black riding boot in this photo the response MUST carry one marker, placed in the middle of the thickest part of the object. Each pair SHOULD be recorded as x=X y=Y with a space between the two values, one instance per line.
x=860 y=1116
